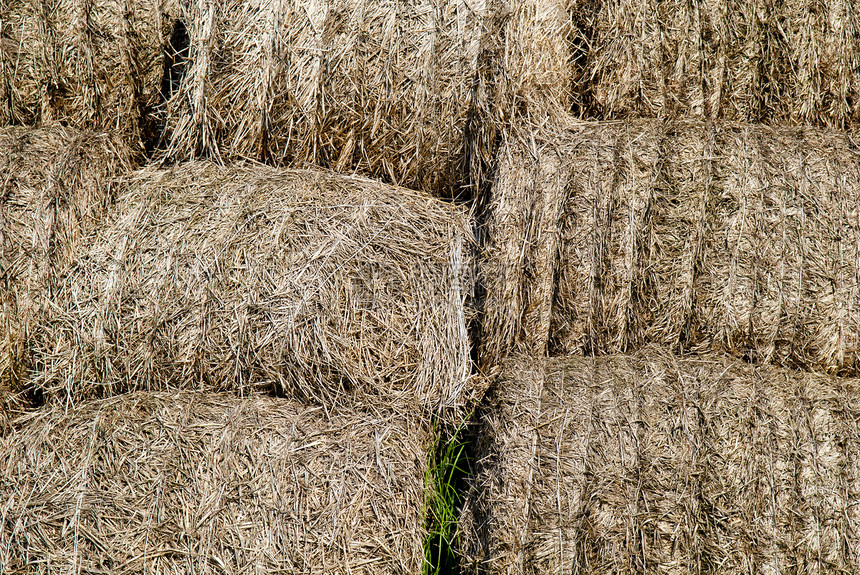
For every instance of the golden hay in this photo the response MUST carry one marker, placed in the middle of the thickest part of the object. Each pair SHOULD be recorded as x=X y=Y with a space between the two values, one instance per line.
x=653 y=464
x=737 y=238
x=55 y=186
x=750 y=61
x=206 y=483
x=401 y=91
x=90 y=64
x=327 y=288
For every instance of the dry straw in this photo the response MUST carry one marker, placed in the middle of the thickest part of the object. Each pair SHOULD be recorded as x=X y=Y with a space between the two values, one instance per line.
x=749 y=61
x=329 y=288
x=401 y=91
x=743 y=239
x=211 y=484
x=652 y=464
x=55 y=186
x=90 y=64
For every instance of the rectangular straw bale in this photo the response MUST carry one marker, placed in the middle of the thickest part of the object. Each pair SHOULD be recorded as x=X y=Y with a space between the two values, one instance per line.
x=605 y=236
x=329 y=288
x=55 y=186
x=751 y=61
x=648 y=463
x=90 y=64
x=400 y=91
x=210 y=484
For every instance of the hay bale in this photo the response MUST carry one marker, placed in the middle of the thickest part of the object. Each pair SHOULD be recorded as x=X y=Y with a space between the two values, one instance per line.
x=649 y=463
x=55 y=186
x=327 y=288
x=90 y=64
x=789 y=62
x=744 y=239
x=207 y=483
x=400 y=91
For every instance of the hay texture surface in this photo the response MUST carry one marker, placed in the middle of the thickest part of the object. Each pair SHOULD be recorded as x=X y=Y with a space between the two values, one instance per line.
x=731 y=237
x=208 y=483
x=401 y=91
x=323 y=287
x=789 y=62
x=90 y=64
x=652 y=464
x=57 y=184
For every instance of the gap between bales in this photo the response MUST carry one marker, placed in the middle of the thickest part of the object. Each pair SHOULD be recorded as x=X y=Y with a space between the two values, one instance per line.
x=448 y=469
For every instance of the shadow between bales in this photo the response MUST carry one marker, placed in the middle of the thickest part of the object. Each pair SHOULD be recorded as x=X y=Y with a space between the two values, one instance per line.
x=449 y=468
x=175 y=55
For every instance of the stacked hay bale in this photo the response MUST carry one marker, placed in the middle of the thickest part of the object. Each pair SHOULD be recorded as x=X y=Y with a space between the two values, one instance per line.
x=57 y=184
x=648 y=463
x=352 y=296
x=411 y=93
x=604 y=237
x=792 y=62
x=88 y=64
x=326 y=288
x=209 y=483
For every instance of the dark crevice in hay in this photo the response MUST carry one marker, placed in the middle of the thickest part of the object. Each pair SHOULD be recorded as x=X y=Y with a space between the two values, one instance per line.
x=175 y=56
x=85 y=64
x=481 y=141
x=9 y=61
x=478 y=507
x=474 y=435
x=772 y=64
x=50 y=86
x=552 y=346
x=481 y=136
x=476 y=165
x=601 y=231
x=32 y=398
x=479 y=294
x=581 y=38
x=762 y=156
x=700 y=230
